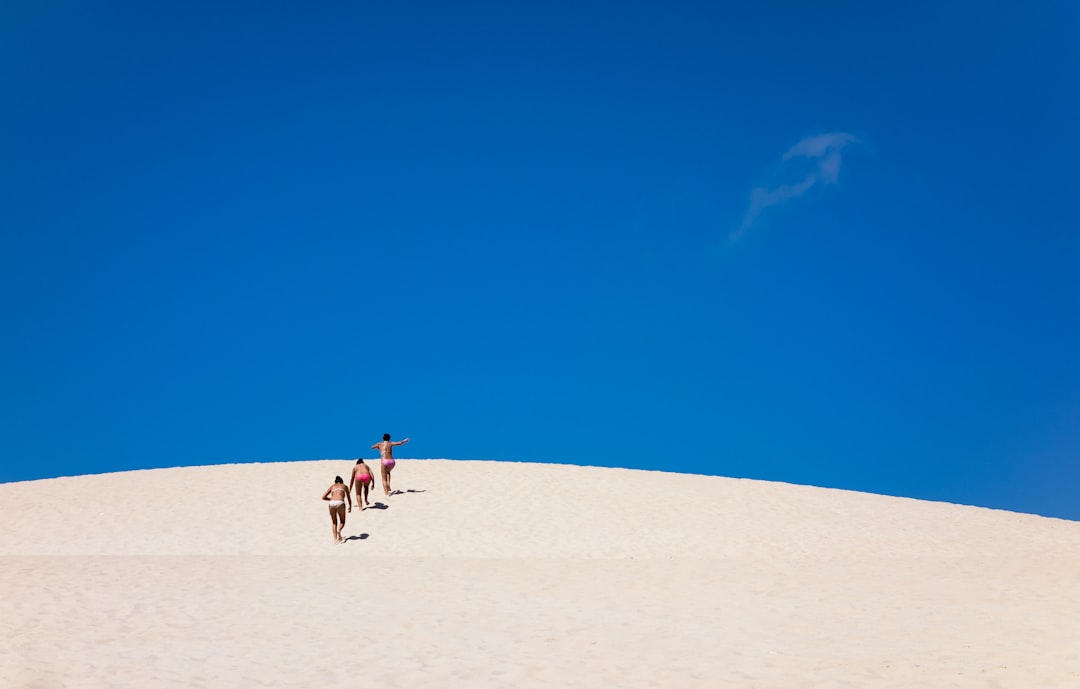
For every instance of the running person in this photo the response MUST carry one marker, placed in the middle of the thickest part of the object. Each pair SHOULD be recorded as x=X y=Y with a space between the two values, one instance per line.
x=386 y=451
x=337 y=494
x=362 y=478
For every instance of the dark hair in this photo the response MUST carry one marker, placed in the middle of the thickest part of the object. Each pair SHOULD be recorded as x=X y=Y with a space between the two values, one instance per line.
x=360 y=461
x=386 y=436
x=337 y=479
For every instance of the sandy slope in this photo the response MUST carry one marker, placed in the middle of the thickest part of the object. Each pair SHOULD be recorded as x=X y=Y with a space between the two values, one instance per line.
x=487 y=574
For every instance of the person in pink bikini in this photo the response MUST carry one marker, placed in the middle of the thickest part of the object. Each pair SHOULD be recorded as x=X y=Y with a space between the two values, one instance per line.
x=362 y=478
x=386 y=451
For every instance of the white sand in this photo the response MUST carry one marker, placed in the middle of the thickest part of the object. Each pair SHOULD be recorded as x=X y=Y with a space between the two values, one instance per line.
x=498 y=574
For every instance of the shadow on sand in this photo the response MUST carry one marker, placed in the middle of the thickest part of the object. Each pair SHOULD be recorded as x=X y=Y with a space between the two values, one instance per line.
x=376 y=506
x=411 y=490
x=361 y=537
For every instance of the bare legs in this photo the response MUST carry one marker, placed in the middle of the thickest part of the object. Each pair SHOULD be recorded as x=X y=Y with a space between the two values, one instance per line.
x=359 y=492
x=337 y=513
x=362 y=492
x=386 y=479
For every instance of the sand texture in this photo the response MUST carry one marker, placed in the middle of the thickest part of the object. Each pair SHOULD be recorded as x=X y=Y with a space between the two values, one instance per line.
x=499 y=574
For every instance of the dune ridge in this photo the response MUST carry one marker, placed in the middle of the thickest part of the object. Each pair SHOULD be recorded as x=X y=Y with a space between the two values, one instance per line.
x=504 y=574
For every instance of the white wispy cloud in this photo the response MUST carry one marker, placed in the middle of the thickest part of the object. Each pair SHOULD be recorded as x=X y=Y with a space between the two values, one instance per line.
x=822 y=153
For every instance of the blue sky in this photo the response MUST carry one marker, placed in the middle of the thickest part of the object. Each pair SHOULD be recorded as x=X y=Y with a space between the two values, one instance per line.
x=832 y=244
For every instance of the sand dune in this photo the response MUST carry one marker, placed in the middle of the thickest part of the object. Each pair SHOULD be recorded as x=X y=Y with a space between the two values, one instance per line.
x=493 y=574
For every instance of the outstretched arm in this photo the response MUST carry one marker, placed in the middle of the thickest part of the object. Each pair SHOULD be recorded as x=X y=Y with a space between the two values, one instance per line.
x=400 y=442
x=375 y=446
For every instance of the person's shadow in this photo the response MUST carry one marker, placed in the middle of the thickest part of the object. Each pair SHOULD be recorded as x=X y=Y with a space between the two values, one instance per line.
x=376 y=506
x=361 y=537
x=411 y=490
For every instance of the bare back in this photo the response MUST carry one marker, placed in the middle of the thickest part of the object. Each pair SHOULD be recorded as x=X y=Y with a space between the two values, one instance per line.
x=386 y=449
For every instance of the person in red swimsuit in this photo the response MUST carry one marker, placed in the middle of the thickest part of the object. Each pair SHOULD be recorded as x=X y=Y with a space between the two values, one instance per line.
x=362 y=478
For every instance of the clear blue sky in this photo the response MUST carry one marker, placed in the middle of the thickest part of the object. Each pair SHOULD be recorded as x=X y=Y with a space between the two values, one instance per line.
x=823 y=243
